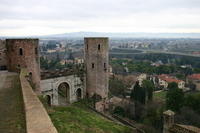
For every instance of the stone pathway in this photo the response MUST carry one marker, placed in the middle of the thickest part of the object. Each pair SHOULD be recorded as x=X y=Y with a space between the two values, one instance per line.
x=3 y=75
x=12 y=118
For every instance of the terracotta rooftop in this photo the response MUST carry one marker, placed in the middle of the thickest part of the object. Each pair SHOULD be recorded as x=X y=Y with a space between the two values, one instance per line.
x=168 y=78
x=194 y=76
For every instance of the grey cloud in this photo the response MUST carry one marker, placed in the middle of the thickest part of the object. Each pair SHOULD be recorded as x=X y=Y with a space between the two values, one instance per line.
x=88 y=9
x=17 y=16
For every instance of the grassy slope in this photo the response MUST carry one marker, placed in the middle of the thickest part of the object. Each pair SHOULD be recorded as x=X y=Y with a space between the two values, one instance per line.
x=160 y=95
x=78 y=119
x=12 y=118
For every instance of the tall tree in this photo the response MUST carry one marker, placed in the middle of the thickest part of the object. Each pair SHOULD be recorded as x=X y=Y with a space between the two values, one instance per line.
x=172 y=85
x=134 y=92
x=138 y=94
x=174 y=97
x=149 y=87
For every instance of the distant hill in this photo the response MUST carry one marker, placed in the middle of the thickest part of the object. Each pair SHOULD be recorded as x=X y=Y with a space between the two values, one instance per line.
x=125 y=35
x=118 y=35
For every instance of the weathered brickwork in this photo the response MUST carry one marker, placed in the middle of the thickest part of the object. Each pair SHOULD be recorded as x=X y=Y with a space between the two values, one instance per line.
x=24 y=53
x=96 y=62
x=3 y=57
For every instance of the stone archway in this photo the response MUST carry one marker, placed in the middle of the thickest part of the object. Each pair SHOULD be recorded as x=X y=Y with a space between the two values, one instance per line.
x=63 y=93
x=48 y=99
x=78 y=94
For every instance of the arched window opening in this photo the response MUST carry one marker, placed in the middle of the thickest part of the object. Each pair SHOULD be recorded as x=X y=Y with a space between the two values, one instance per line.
x=99 y=46
x=20 y=51
x=48 y=100
x=78 y=94
x=92 y=65
x=30 y=73
x=104 y=65
x=36 y=50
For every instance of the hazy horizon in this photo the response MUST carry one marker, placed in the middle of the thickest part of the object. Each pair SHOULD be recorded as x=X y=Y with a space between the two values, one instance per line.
x=34 y=17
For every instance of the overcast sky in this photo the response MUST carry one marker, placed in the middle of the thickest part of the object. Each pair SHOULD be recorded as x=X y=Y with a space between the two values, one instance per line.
x=43 y=17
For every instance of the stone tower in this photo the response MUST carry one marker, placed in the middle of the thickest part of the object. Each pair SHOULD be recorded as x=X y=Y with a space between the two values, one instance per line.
x=96 y=62
x=24 y=53
x=3 y=57
x=168 y=120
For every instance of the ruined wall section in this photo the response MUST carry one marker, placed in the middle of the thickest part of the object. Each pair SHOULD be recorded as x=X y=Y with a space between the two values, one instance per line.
x=24 y=53
x=50 y=87
x=96 y=62
x=3 y=57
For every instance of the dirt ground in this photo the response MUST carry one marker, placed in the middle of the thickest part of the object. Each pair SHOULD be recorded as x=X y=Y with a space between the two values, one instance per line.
x=12 y=118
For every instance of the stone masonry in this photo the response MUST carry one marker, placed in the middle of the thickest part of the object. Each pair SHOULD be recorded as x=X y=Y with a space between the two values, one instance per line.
x=96 y=62
x=24 y=53
x=3 y=57
x=171 y=127
x=37 y=119
x=49 y=87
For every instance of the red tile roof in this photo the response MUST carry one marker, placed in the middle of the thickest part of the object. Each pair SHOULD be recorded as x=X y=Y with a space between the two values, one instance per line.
x=168 y=79
x=194 y=76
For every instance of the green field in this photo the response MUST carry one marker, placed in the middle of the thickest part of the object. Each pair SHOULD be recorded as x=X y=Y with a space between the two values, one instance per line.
x=79 y=119
x=160 y=95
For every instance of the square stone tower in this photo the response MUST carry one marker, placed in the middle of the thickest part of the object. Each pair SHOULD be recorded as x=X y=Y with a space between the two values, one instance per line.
x=3 y=57
x=96 y=62
x=24 y=53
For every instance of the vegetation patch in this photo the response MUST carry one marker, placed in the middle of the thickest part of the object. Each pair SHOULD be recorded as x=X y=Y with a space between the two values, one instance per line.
x=79 y=119
x=161 y=95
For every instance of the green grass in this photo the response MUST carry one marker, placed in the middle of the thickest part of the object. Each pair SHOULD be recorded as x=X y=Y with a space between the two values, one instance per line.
x=79 y=119
x=192 y=93
x=160 y=95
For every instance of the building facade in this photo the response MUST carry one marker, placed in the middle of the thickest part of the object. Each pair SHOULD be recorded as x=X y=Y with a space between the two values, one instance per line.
x=62 y=90
x=164 y=80
x=141 y=78
x=195 y=79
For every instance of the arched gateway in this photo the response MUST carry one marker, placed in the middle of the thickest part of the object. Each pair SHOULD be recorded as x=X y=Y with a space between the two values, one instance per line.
x=63 y=90
x=63 y=93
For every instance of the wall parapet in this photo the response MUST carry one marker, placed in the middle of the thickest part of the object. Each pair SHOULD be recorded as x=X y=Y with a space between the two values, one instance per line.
x=37 y=119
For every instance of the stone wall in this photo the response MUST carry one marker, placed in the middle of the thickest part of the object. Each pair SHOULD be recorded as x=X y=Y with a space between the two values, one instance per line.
x=96 y=62
x=24 y=53
x=37 y=119
x=50 y=87
x=3 y=57
x=178 y=128
x=49 y=74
